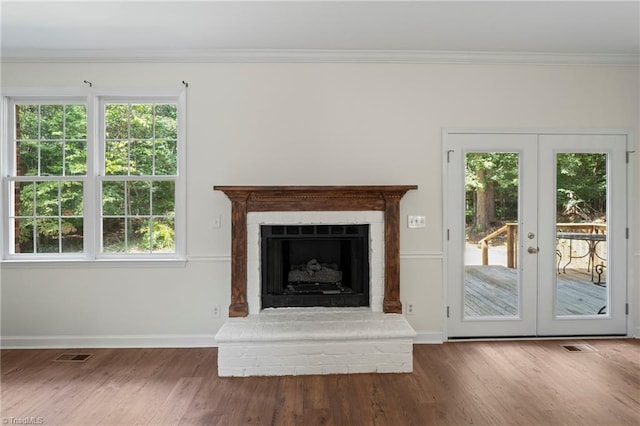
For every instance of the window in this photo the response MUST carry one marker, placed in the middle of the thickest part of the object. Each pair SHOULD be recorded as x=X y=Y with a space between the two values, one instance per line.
x=50 y=171
x=93 y=177
x=140 y=169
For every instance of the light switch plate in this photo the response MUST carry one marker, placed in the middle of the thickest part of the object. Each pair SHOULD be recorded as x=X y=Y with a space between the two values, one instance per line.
x=417 y=222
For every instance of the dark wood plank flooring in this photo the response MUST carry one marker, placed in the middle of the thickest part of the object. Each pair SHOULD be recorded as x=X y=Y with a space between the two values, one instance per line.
x=461 y=383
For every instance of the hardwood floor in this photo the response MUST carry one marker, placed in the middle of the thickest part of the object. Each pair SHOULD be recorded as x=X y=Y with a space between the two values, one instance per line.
x=461 y=383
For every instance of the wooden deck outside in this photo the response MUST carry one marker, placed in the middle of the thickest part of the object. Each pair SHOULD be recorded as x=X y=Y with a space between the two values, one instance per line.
x=493 y=291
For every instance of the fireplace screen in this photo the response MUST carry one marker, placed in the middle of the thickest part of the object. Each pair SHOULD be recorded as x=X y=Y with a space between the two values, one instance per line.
x=315 y=265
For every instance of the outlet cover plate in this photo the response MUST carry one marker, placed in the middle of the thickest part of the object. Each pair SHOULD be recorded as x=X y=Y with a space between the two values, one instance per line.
x=417 y=222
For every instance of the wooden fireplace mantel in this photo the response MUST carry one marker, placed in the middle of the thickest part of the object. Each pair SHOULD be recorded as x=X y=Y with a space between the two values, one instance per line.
x=245 y=199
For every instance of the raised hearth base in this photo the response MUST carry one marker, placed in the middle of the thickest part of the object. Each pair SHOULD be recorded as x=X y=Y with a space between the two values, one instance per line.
x=298 y=341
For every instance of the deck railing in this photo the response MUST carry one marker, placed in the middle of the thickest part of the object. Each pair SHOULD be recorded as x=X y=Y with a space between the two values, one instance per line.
x=511 y=231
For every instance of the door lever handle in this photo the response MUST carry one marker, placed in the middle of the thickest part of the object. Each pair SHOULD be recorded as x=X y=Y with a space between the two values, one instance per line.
x=532 y=250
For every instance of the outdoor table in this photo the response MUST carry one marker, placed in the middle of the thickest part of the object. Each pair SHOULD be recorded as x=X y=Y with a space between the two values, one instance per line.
x=592 y=241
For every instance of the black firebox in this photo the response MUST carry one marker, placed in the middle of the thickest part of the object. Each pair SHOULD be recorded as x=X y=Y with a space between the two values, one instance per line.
x=314 y=265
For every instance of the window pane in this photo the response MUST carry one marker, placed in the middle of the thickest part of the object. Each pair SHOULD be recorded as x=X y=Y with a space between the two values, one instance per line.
x=27 y=158
x=581 y=231
x=113 y=198
x=117 y=121
x=139 y=198
x=166 y=122
x=164 y=198
x=141 y=160
x=75 y=125
x=47 y=198
x=41 y=147
x=492 y=279
x=166 y=158
x=58 y=216
x=48 y=235
x=71 y=198
x=163 y=236
x=51 y=158
x=147 y=139
x=51 y=117
x=75 y=154
x=72 y=235
x=117 y=158
x=138 y=234
x=113 y=235
x=142 y=121
x=24 y=198
x=24 y=235
x=27 y=122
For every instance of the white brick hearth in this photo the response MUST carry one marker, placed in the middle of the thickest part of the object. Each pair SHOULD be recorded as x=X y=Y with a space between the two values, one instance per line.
x=297 y=341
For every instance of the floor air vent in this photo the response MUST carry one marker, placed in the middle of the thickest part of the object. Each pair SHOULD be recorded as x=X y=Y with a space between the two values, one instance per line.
x=67 y=357
x=579 y=348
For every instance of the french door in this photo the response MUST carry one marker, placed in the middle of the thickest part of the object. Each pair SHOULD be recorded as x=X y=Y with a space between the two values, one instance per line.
x=536 y=234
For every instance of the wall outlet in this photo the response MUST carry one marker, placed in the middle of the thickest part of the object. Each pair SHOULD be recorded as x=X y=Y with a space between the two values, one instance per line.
x=408 y=308
x=216 y=312
x=417 y=222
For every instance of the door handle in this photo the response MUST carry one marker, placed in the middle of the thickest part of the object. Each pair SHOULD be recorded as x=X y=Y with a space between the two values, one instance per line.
x=532 y=250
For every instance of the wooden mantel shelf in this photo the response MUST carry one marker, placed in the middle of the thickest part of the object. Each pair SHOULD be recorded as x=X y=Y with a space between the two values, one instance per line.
x=245 y=199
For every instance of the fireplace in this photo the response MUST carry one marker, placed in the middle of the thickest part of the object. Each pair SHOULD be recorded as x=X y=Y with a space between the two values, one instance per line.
x=314 y=265
x=325 y=263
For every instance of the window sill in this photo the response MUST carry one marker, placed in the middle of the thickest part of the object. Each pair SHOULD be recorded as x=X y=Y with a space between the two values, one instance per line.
x=91 y=263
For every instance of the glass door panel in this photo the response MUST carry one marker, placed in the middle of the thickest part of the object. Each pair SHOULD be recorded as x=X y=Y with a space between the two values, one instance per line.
x=491 y=276
x=581 y=232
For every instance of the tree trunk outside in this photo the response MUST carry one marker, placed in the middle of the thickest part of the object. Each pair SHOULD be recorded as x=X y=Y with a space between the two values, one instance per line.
x=484 y=195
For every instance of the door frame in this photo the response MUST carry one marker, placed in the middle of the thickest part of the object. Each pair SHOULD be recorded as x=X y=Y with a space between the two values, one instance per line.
x=633 y=289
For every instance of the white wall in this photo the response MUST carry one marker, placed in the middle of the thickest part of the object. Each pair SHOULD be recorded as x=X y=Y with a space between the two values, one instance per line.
x=283 y=124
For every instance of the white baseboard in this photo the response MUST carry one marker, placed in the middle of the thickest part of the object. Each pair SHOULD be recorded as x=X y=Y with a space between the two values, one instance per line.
x=122 y=341
x=428 y=338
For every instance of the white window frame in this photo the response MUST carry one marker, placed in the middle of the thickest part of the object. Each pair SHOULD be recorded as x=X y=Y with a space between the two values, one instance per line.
x=92 y=208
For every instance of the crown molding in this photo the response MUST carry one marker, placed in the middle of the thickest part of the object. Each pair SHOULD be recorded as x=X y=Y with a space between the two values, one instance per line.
x=309 y=56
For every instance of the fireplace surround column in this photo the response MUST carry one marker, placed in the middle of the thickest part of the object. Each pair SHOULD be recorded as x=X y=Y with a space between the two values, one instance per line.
x=239 y=306
x=391 y=303
x=246 y=199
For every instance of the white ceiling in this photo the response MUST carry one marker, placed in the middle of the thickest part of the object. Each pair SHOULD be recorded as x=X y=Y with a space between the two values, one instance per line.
x=574 y=27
